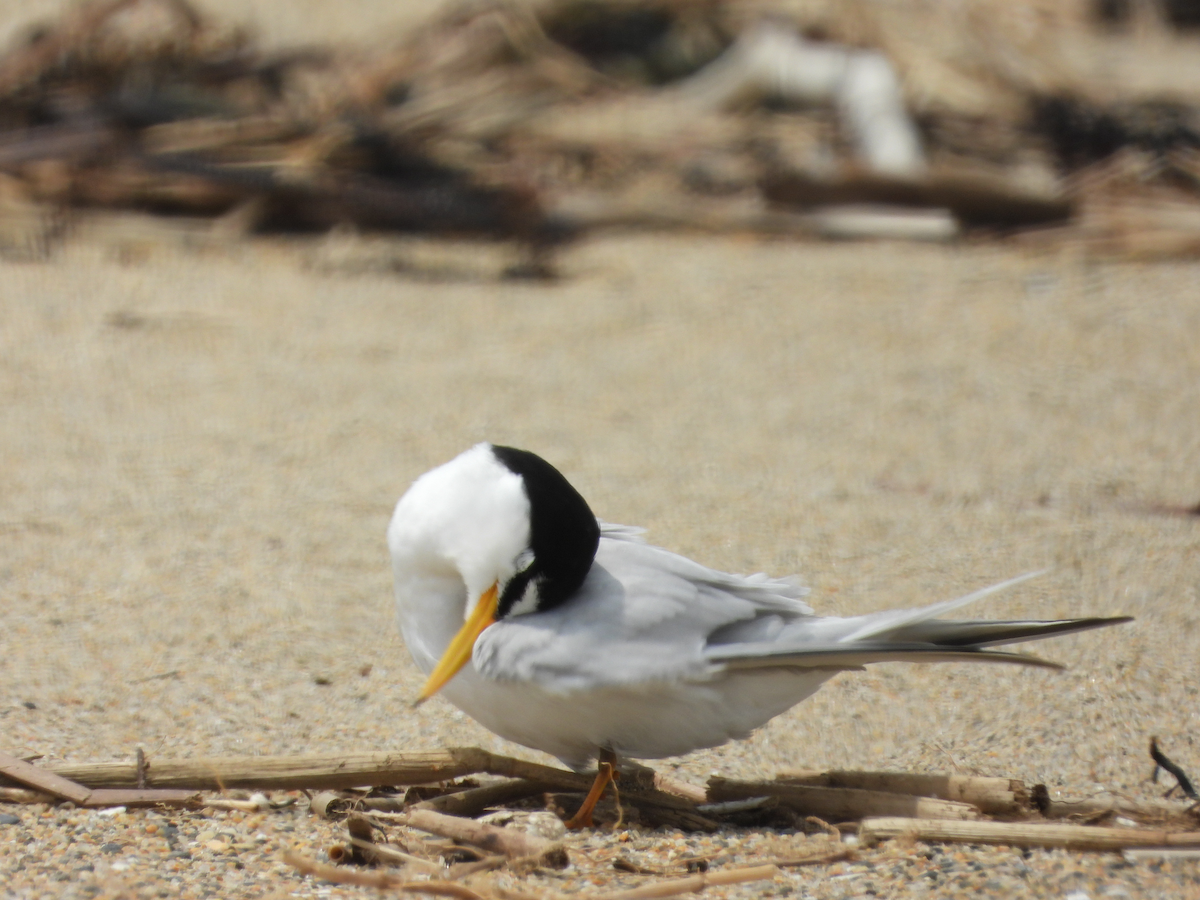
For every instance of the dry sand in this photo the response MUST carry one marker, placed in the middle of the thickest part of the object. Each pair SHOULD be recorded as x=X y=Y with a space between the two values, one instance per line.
x=201 y=448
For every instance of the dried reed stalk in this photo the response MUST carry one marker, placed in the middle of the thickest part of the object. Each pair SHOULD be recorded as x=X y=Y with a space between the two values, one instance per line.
x=1098 y=806
x=1024 y=834
x=56 y=787
x=476 y=800
x=315 y=772
x=379 y=880
x=331 y=772
x=24 y=795
x=841 y=804
x=995 y=796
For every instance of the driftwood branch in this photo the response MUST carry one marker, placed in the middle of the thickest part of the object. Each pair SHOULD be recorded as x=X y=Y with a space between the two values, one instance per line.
x=509 y=842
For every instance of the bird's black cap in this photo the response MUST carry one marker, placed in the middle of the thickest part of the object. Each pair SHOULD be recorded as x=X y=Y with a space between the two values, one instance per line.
x=563 y=533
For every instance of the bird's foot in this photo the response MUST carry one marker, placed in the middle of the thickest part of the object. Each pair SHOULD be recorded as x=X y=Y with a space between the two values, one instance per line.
x=606 y=774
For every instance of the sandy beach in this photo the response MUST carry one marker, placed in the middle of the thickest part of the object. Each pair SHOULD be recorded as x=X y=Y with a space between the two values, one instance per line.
x=201 y=444
x=201 y=449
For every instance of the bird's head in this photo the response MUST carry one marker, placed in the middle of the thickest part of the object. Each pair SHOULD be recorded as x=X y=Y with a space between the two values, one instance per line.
x=508 y=523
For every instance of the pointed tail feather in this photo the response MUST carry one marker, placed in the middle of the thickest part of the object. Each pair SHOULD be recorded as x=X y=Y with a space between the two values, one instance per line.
x=919 y=641
x=979 y=633
x=857 y=655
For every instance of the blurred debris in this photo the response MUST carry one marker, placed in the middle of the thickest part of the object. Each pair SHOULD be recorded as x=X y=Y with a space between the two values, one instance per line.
x=770 y=61
x=1161 y=761
x=542 y=121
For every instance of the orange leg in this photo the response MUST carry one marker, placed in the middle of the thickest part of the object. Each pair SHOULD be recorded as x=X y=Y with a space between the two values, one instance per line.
x=605 y=775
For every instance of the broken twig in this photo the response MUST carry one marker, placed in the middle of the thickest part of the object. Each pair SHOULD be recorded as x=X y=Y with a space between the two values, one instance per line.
x=510 y=842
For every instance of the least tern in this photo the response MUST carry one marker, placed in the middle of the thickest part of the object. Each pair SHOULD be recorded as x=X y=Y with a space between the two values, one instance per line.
x=573 y=636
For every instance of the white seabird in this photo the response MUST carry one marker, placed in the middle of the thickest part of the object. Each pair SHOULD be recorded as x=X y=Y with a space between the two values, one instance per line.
x=573 y=636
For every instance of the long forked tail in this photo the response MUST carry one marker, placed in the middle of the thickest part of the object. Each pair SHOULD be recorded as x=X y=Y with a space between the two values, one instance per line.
x=913 y=635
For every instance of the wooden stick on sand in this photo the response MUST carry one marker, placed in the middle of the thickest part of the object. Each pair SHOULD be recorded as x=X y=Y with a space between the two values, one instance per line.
x=61 y=788
x=841 y=804
x=1023 y=834
x=1003 y=796
x=510 y=842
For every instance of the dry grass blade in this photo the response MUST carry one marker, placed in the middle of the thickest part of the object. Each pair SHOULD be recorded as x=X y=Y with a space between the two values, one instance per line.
x=694 y=883
x=819 y=857
x=384 y=881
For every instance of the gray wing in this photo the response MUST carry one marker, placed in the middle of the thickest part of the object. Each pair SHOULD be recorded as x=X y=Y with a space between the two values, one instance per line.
x=643 y=614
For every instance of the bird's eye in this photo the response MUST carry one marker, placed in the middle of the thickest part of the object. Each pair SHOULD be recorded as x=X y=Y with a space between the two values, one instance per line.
x=524 y=561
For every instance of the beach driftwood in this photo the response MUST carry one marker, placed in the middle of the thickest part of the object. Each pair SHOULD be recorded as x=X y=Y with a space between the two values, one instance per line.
x=510 y=842
x=1023 y=834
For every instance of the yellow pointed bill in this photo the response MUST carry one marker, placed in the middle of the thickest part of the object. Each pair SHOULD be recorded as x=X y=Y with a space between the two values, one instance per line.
x=458 y=652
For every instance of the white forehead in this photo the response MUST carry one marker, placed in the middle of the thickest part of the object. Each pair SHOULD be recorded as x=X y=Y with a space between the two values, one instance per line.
x=471 y=513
